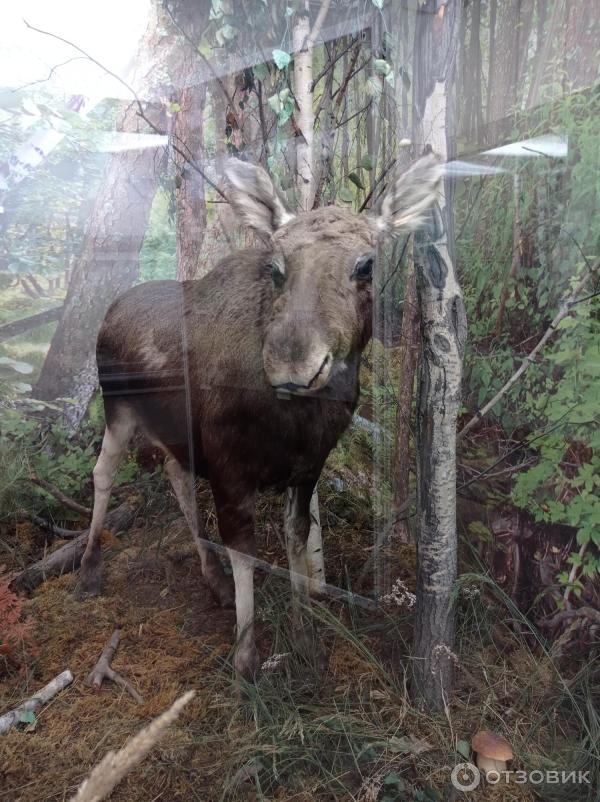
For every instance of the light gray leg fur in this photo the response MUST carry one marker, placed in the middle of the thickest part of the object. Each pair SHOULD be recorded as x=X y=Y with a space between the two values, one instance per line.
x=182 y=483
x=114 y=443
x=246 y=654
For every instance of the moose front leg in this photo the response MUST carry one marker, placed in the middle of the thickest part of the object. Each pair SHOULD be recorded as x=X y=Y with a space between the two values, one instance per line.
x=297 y=527
x=235 y=515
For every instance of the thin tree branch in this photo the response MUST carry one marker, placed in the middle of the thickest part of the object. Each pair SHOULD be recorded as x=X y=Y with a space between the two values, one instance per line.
x=65 y=500
x=332 y=63
x=137 y=100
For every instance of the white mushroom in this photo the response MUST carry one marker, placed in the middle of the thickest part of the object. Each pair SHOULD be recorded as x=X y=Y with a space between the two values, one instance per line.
x=493 y=751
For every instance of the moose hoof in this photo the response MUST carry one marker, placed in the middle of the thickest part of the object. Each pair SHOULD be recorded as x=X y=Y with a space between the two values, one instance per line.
x=247 y=664
x=90 y=583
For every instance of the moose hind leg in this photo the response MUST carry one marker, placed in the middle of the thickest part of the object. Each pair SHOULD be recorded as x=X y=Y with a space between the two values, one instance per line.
x=182 y=483
x=116 y=437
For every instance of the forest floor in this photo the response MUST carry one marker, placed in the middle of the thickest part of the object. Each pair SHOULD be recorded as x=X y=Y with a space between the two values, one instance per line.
x=346 y=733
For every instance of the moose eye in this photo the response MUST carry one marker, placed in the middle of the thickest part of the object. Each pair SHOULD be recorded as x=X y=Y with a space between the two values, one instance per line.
x=363 y=269
x=276 y=273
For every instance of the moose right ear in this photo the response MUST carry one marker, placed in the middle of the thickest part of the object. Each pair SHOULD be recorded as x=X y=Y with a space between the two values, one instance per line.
x=410 y=194
x=254 y=198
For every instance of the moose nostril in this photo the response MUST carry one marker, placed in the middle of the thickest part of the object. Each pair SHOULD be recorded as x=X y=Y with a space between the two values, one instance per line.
x=324 y=365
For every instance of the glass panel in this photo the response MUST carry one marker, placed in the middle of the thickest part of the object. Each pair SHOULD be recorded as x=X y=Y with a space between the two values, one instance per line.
x=318 y=283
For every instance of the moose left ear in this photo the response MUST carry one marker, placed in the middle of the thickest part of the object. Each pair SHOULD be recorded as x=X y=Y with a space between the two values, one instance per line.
x=409 y=195
x=254 y=197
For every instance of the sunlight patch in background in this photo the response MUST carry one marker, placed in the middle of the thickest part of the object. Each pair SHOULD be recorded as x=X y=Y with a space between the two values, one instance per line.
x=109 y=31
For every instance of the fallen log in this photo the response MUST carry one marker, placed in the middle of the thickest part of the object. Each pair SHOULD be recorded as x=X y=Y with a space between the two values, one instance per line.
x=67 y=558
x=42 y=697
x=8 y=330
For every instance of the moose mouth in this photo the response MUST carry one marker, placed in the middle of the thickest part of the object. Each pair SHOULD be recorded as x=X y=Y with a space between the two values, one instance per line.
x=318 y=381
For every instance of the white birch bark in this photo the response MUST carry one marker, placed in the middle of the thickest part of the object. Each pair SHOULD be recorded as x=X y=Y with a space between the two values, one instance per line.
x=42 y=697
x=443 y=331
x=306 y=120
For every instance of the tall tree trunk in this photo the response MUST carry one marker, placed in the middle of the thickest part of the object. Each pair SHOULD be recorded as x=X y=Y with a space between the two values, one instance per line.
x=511 y=36
x=303 y=40
x=108 y=260
x=189 y=193
x=303 y=75
x=408 y=353
x=443 y=331
x=106 y=266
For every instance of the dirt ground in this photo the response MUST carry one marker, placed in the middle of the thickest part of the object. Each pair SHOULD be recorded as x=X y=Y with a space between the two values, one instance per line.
x=175 y=637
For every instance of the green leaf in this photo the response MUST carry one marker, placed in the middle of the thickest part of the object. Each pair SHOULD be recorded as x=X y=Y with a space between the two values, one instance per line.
x=463 y=748
x=275 y=103
x=393 y=779
x=345 y=195
x=27 y=716
x=378 y=4
x=355 y=178
x=261 y=72
x=281 y=59
x=366 y=163
x=381 y=66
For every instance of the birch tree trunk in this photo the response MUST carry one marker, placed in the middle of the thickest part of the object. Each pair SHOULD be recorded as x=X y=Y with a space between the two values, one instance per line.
x=443 y=331
x=303 y=39
x=304 y=98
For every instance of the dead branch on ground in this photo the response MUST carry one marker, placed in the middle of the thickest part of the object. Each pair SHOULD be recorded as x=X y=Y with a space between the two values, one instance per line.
x=47 y=526
x=68 y=557
x=103 y=669
x=42 y=697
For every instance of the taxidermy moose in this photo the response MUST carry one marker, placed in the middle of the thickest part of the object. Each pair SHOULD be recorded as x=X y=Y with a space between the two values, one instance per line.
x=249 y=376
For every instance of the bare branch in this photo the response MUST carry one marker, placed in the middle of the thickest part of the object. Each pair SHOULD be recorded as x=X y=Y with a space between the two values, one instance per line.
x=65 y=500
x=103 y=669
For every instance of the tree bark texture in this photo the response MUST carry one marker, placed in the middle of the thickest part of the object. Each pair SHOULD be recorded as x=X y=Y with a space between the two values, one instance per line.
x=408 y=353
x=107 y=265
x=189 y=193
x=304 y=98
x=108 y=261
x=443 y=331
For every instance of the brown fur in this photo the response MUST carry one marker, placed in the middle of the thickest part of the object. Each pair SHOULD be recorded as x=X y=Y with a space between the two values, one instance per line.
x=248 y=376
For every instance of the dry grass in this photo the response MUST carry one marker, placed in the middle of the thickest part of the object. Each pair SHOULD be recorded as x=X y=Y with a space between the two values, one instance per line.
x=302 y=733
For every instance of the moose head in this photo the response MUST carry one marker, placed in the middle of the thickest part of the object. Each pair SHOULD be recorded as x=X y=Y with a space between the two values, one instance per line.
x=321 y=267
